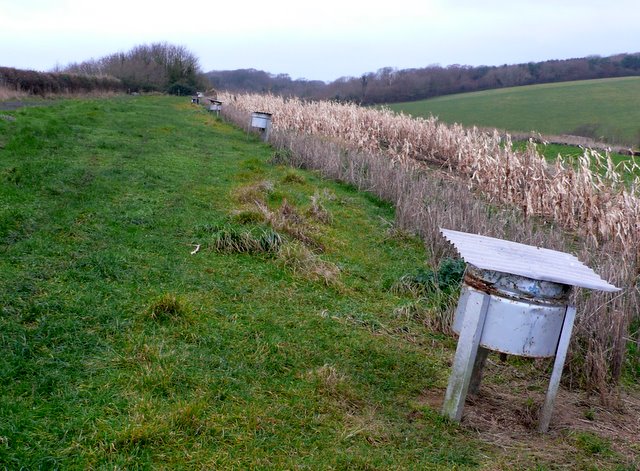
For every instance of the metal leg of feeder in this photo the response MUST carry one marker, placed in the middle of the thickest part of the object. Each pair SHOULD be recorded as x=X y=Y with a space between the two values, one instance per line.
x=476 y=375
x=466 y=353
x=558 y=365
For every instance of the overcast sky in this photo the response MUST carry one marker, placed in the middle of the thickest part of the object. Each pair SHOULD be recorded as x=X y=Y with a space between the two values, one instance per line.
x=323 y=39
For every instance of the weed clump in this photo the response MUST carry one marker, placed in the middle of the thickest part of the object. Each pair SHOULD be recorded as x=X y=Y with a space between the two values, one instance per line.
x=247 y=216
x=425 y=282
x=167 y=307
x=398 y=234
x=301 y=260
x=13 y=175
x=435 y=294
x=270 y=241
x=253 y=193
x=288 y=220
x=231 y=239
x=281 y=157
x=137 y=436
x=292 y=177
x=318 y=211
x=298 y=255
x=593 y=444
x=432 y=315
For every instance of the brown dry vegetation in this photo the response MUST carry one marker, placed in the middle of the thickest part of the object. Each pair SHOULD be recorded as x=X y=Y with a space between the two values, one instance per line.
x=9 y=93
x=300 y=254
x=45 y=84
x=570 y=140
x=11 y=99
x=465 y=179
x=505 y=415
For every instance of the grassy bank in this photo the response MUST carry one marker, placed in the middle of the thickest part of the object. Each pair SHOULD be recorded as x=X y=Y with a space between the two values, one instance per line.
x=169 y=299
x=605 y=110
x=121 y=347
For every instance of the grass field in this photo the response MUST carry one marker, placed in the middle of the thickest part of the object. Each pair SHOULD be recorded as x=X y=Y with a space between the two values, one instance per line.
x=606 y=110
x=551 y=152
x=274 y=346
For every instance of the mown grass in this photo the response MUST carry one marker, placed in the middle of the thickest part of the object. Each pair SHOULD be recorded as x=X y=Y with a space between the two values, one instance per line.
x=122 y=349
x=606 y=110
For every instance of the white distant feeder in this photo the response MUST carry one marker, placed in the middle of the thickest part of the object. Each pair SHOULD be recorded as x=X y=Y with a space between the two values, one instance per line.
x=262 y=121
x=515 y=300
x=215 y=106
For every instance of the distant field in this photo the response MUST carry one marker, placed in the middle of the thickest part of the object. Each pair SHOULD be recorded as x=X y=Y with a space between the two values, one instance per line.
x=606 y=109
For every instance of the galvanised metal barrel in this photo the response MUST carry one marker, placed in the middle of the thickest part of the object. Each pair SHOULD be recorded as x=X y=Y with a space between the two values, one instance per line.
x=260 y=120
x=524 y=316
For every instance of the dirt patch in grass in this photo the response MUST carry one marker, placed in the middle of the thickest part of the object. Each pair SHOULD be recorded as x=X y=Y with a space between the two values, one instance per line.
x=505 y=414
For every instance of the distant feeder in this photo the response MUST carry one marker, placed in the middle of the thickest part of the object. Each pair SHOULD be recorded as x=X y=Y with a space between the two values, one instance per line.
x=514 y=300
x=215 y=106
x=262 y=121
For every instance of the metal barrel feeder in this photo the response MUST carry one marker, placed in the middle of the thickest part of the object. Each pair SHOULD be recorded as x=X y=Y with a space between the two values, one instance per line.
x=215 y=106
x=262 y=121
x=514 y=300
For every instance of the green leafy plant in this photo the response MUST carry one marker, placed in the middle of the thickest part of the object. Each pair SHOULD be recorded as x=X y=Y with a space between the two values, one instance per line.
x=425 y=281
x=593 y=444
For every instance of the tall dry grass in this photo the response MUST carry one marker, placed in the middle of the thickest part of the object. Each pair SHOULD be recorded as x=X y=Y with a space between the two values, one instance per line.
x=10 y=93
x=476 y=182
x=587 y=194
x=45 y=83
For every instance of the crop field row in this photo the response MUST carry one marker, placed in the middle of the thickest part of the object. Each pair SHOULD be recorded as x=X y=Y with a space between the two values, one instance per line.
x=586 y=193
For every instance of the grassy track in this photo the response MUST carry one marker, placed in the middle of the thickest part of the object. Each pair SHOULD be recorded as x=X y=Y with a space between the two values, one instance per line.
x=606 y=109
x=120 y=349
x=253 y=366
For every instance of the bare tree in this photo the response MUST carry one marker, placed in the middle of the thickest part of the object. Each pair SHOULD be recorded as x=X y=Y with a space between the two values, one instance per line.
x=158 y=66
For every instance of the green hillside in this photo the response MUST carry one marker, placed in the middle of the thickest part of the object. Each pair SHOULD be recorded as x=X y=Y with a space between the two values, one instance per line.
x=607 y=109
x=153 y=316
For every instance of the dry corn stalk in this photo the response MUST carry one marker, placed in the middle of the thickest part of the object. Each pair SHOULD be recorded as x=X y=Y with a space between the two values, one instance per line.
x=588 y=195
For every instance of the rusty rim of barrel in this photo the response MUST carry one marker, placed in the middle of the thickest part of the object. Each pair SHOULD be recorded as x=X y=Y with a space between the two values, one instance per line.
x=516 y=287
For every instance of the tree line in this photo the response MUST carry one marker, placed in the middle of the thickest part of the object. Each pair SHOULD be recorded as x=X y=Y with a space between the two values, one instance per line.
x=161 y=67
x=389 y=85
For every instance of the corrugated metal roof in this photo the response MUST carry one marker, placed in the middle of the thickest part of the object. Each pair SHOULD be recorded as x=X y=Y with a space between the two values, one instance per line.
x=537 y=263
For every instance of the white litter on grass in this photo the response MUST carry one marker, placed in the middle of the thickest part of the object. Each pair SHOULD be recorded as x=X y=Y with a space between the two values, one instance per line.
x=196 y=250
